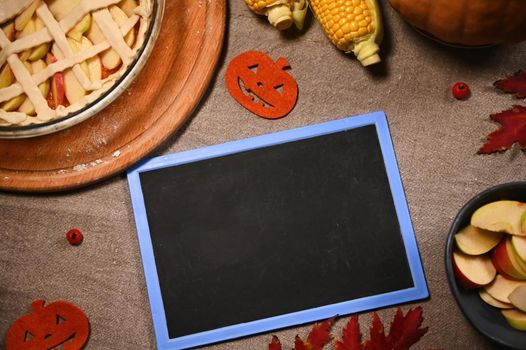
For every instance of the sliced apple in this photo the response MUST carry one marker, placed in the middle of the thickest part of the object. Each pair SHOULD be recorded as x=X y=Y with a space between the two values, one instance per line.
x=41 y=50
x=25 y=55
x=515 y=318
x=501 y=288
x=9 y=31
x=110 y=58
x=129 y=38
x=13 y=103
x=60 y=8
x=516 y=256
x=94 y=34
x=39 y=24
x=30 y=28
x=128 y=6
x=501 y=216
x=6 y=76
x=95 y=69
x=76 y=47
x=23 y=19
x=519 y=244
x=475 y=241
x=73 y=89
x=57 y=89
x=518 y=298
x=28 y=66
x=57 y=85
x=488 y=299
x=27 y=106
x=94 y=63
x=473 y=271
x=80 y=28
x=121 y=18
x=506 y=262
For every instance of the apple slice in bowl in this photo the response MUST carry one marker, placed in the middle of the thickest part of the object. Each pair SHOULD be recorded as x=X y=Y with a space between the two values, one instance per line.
x=473 y=271
x=502 y=287
x=488 y=299
x=475 y=241
x=485 y=318
x=518 y=298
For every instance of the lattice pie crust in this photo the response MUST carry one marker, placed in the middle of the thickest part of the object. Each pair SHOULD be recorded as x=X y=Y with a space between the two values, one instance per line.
x=57 y=56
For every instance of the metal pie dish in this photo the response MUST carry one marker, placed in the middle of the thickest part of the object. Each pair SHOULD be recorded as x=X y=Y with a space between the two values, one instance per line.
x=107 y=97
x=484 y=318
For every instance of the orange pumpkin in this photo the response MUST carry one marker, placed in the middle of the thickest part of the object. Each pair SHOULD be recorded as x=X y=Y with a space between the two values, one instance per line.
x=467 y=22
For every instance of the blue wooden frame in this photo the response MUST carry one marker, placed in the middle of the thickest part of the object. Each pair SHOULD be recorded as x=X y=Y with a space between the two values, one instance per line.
x=419 y=291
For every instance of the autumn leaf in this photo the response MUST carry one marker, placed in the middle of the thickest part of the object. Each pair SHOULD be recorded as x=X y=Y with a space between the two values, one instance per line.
x=351 y=336
x=377 y=339
x=405 y=330
x=515 y=84
x=396 y=330
x=275 y=344
x=513 y=129
x=317 y=338
x=299 y=344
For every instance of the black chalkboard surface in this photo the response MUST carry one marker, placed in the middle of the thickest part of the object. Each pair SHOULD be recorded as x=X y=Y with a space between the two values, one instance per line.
x=274 y=230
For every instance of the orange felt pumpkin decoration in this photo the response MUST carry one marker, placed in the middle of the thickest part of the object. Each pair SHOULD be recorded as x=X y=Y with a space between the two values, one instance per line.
x=467 y=22
x=47 y=327
x=261 y=85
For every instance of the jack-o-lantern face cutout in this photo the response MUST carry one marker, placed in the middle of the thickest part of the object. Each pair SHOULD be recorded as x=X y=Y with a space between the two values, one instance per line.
x=261 y=85
x=47 y=327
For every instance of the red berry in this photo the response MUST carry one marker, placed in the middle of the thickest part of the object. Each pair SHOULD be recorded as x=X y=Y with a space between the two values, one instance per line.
x=461 y=90
x=74 y=236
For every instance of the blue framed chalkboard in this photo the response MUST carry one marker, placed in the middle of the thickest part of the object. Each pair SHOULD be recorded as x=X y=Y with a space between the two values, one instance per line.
x=274 y=231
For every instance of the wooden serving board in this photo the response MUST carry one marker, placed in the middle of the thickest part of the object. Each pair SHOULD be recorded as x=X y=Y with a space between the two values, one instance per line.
x=155 y=105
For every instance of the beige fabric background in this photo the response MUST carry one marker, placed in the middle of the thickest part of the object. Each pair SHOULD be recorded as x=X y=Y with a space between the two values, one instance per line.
x=435 y=139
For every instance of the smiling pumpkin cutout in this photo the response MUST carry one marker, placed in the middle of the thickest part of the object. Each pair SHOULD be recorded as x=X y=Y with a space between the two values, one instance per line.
x=48 y=327
x=261 y=85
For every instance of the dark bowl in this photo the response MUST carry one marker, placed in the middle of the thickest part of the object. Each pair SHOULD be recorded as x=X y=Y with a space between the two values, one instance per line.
x=483 y=317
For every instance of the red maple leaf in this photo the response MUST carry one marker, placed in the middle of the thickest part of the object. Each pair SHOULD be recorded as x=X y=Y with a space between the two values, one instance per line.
x=405 y=330
x=396 y=330
x=377 y=339
x=513 y=130
x=299 y=344
x=317 y=338
x=515 y=84
x=275 y=344
x=351 y=336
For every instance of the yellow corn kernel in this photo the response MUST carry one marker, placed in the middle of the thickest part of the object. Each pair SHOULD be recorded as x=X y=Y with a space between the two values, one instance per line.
x=352 y=25
x=281 y=13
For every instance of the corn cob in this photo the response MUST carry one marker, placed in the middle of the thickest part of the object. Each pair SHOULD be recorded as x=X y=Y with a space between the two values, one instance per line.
x=352 y=25
x=281 y=13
